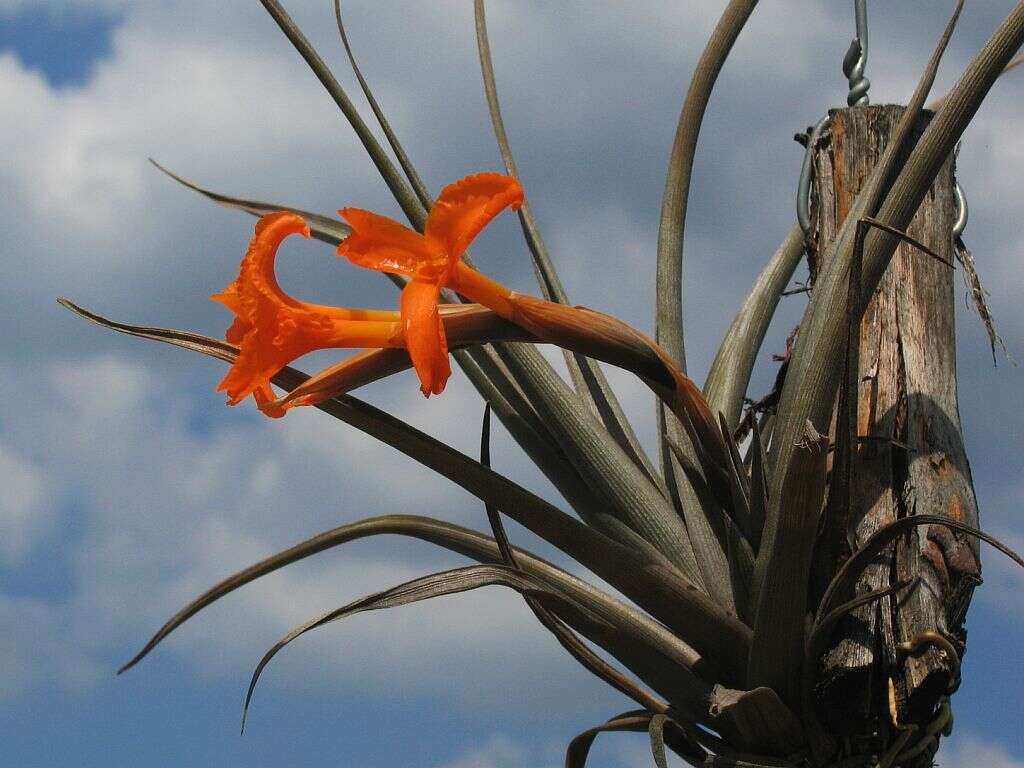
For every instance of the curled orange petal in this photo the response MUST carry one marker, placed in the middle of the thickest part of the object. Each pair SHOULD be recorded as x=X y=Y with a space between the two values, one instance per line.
x=424 y=335
x=271 y=328
x=466 y=206
x=381 y=243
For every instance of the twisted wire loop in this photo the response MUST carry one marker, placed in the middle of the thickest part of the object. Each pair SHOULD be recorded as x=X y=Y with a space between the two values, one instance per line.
x=856 y=59
x=854 y=62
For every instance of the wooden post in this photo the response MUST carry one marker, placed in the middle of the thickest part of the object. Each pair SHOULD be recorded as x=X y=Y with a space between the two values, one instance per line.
x=909 y=459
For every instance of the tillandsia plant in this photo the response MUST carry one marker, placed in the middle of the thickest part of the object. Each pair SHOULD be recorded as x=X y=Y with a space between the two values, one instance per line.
x=771 y=612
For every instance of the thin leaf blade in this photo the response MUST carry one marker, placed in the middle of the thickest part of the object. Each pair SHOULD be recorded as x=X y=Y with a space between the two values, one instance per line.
x=588 y=379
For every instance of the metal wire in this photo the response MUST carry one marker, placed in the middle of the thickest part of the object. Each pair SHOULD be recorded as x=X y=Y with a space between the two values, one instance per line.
x=856 y=59
x=854 y=62
x=803 y=189
x=962 y=211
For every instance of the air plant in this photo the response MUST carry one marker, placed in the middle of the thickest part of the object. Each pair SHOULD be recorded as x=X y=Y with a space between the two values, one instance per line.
x=719 y=633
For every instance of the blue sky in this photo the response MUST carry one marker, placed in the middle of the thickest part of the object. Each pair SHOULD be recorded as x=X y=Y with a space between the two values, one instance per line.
x=63 y=43
x=130 y=487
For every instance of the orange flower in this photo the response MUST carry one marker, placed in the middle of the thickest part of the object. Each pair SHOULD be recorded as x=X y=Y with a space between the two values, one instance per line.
x=271 y=328
x=434 y=259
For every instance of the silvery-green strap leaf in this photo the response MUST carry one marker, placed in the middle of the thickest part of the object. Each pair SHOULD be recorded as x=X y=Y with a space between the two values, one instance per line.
x=668 y=284
x=650 y=637
x=729 y=376
x=629 y=493
x=565 y=636
x=669 y=320
x=1015 y=62
x=424 y=588
x=781 y=574
x=587 y=377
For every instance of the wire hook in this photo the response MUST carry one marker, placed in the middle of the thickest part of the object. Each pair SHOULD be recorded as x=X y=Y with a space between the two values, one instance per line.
x=856 y=59
x=962 y=211
x=803 y=190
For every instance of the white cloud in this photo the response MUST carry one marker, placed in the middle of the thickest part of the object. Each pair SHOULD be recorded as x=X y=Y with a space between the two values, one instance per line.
x=500 y=751
x=969 y=752
x=25 y=505
x=36 y=645
x=1004 y=579
x=496 y=752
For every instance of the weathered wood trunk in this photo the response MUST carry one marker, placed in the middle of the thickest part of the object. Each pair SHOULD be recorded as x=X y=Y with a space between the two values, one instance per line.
x=909 y=459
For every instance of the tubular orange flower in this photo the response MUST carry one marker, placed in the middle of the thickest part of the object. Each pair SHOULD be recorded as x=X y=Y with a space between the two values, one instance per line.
x=434 y=259
x=271 y=328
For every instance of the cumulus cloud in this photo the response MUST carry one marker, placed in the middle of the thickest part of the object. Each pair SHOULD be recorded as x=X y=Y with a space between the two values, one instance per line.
x=969 y=752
